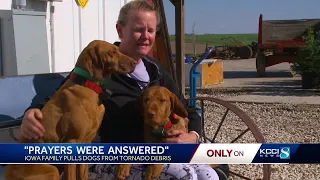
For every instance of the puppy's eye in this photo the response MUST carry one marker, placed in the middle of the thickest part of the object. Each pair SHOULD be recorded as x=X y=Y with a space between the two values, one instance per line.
x=162 y=100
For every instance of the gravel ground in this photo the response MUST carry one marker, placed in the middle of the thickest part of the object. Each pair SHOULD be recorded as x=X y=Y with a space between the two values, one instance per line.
x=279 y=123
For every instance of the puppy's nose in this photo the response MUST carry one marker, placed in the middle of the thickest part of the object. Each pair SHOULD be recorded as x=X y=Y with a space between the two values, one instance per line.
x=134 y=63
x=150 y=114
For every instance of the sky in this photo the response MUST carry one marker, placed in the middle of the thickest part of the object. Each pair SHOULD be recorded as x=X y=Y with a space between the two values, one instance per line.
x=238 y=16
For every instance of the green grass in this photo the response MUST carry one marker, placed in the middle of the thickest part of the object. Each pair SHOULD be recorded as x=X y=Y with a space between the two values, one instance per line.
x=215 y=39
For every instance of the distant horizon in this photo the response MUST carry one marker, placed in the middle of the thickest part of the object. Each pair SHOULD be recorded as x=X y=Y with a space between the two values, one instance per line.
x=216 y=33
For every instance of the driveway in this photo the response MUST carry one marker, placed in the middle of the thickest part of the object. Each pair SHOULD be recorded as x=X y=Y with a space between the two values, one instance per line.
x=279 y=85
x=242 y=73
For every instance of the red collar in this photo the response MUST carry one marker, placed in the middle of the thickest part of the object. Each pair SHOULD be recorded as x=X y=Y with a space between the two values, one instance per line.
x=86 y=83
x=168 y=124
x=160 y=132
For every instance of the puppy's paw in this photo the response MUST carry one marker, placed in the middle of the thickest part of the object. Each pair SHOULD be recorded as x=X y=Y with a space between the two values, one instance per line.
x=122 y=171
x=153 y=171
x=214 y=165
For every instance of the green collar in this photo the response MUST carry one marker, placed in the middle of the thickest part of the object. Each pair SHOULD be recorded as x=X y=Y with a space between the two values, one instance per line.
x=86 y=75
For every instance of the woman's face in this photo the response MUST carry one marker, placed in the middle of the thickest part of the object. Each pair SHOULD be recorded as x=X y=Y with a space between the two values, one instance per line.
x=138 y=35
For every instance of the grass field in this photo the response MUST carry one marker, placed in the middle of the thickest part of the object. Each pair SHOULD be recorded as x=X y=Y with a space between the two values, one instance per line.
x=215 y=39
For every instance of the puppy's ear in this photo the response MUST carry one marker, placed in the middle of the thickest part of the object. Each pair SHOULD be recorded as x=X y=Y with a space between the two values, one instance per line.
x=97 y=63
x=177 y=106
x=89 y=60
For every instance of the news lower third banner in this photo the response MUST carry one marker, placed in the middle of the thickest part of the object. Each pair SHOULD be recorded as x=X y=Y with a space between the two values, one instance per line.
x=159 y=153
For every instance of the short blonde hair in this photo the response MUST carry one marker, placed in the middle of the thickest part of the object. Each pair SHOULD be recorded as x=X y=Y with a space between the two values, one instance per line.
x=135 y=5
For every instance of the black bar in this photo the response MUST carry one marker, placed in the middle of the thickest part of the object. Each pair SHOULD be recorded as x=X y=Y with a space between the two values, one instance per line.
x=10 y=123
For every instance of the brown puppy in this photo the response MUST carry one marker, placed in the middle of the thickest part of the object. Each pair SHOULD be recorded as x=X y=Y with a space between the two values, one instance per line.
x=158 y=105
x=75 y=112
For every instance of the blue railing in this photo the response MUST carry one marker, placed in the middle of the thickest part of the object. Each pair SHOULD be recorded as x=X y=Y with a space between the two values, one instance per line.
x=194 y=75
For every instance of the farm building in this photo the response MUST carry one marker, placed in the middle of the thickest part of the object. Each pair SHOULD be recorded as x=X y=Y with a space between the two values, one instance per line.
x=58 y=31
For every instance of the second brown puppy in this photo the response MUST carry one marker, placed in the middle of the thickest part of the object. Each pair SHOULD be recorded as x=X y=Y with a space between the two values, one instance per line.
x=158 y=105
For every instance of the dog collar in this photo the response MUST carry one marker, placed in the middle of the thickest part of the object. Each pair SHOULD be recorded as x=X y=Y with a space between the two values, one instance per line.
x=83 y=78
x=161 y=131
x=168 y=124
x=86 y=83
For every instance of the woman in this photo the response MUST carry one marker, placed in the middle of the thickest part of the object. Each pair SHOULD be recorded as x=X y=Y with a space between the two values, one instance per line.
x=136 y=27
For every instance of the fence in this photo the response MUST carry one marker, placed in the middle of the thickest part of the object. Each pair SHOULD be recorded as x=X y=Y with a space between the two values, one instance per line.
x=189 y=48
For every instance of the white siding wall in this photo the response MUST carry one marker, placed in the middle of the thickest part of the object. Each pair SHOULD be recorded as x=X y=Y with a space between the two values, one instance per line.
x=74 y=28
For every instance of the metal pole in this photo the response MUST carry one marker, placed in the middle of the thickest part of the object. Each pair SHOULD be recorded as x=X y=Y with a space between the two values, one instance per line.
x=180 y=65
x=52 y=37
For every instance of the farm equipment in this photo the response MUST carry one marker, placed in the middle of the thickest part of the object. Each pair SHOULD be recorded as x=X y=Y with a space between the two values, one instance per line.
x=280 y=40
x=234 y=49
x=238 y=48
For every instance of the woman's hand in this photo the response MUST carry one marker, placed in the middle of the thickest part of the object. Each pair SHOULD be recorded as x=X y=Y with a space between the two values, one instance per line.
x=31 y=128
x=179 y=136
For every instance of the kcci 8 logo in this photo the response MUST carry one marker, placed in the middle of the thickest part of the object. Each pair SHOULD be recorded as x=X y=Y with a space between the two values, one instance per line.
x=282 y=153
